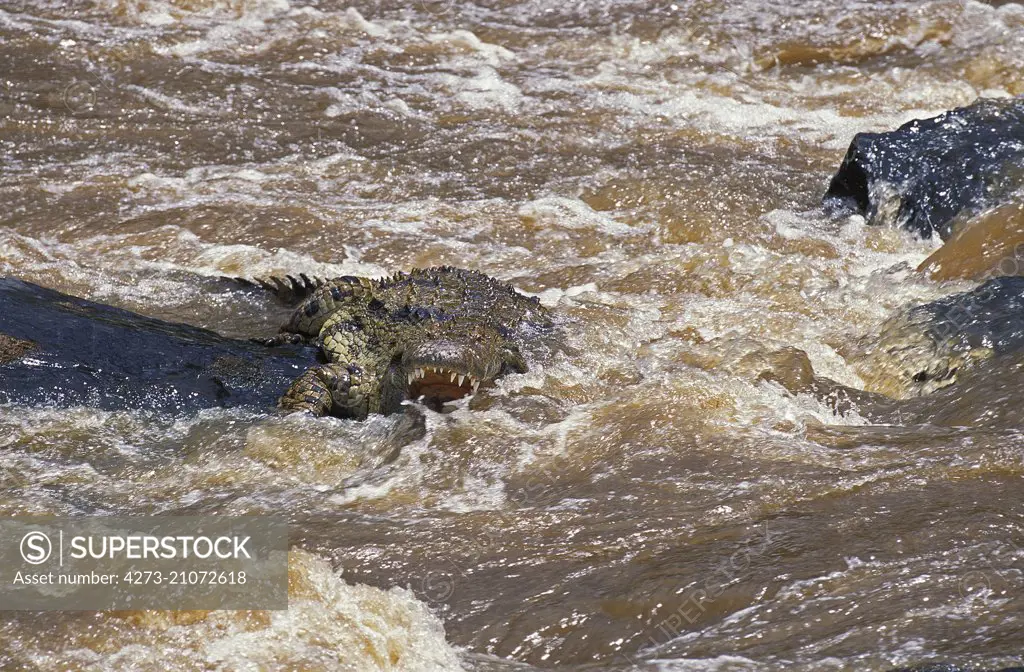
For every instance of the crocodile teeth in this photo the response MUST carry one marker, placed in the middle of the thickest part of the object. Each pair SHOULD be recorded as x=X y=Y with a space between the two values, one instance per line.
x=461 y=378
x=420 y=373
x=412 y=377
x=454 y=375
x=476 y=384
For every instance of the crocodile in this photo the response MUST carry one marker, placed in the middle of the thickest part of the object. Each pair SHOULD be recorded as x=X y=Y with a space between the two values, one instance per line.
x=434 y=335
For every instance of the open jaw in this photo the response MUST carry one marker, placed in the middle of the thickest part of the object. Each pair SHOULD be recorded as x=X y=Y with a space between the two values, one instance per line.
x=438 y=385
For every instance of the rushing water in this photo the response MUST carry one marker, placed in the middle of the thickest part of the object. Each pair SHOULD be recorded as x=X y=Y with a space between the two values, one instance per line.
x=652 y=170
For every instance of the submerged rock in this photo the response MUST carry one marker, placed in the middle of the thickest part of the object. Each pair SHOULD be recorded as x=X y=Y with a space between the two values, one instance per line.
x=929 y=173
x=985 y=396
x=929 y=346
x=60 y=350
x=987 y=246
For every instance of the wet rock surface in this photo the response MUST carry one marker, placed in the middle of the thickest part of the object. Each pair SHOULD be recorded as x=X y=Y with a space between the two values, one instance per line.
x=926 y=174
x=983 y=398
x=987 y=246
x=927 y=347
x=60 y=350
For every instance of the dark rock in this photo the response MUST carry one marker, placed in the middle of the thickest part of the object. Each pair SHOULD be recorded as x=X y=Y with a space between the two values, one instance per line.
x=929 y=346
x=65 y=351
x=928 y=172
x=985 y=397
x=989 y=316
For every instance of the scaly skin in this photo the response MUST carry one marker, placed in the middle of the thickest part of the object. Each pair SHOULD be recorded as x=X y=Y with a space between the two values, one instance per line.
x=437 y=333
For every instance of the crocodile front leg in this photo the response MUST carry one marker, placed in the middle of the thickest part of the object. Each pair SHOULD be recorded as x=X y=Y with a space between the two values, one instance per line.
x=343 y=390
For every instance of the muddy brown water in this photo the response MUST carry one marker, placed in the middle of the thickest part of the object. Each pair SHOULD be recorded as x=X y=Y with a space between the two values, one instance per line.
x=652 y=171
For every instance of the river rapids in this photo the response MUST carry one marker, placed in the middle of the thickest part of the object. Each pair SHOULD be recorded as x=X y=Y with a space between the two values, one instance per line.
x=649 y=499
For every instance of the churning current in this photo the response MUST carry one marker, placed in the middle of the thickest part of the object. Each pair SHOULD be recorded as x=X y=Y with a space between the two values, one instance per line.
x=659 y=494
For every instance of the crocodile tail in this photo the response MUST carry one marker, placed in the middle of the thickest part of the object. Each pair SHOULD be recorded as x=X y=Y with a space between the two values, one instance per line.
x=290 y=289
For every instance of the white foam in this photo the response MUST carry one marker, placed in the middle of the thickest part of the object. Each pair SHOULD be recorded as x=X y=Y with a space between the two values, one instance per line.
x=494 y=55
x=558 y=212
x=169 y=103
x=250 y=20
x=482 y=89
x=76 y=262
x=329 y=624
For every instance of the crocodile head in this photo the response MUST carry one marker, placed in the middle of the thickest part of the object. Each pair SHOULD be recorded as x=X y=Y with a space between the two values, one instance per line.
x=445 y=361
x=433 y=335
